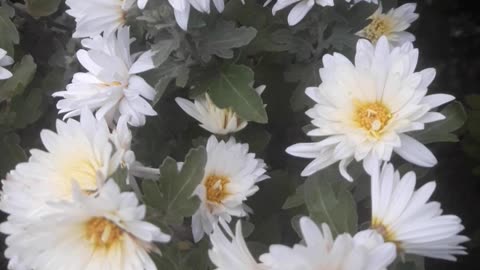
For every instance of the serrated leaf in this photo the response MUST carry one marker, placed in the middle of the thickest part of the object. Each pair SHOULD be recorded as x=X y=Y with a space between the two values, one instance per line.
x=23 y=73
x=334 y=206
x=222 y=38
x=232 y=89
x=40 y=8
x=171 y=196
x=442 y=131
x=163 y=49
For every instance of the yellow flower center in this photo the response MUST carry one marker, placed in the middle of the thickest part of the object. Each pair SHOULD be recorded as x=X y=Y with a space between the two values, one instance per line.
x=81 y=169
x=102 y=233
x=216 y=188
x=379 y=26
x=386 y=232
x=372 y=116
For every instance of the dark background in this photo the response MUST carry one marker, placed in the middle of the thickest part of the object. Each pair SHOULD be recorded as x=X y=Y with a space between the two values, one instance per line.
x=448 y=37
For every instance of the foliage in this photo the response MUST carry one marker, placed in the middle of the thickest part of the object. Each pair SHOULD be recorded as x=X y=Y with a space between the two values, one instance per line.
x=225 y=55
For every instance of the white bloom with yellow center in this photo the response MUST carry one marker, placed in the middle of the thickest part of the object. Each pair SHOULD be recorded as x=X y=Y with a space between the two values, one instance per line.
x=79 y=151
x=94 y=17
x=181 y=9
x=392 y=25
x=321 y=251
x=5 y=60
x=100 y=232
x=404 y=216
x=231 y=175
x=230 y=252
x=212 y=118
x=111 y=86
x=364 y=109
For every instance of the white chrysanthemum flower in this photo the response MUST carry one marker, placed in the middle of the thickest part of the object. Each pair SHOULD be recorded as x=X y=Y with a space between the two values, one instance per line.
x=364 y=109
x=231 y=252
x=5 y=60
x=406 y=218
x=212 y=118
x=79 y=151
x=392 y=25
x=231 y=175
x=111 y=86
x=321 y=251
x=301 y=9
x=181 y=9
x=94 y=17
x=106 y=231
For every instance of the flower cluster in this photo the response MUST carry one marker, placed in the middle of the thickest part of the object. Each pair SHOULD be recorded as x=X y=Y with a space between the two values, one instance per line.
x=67 y=210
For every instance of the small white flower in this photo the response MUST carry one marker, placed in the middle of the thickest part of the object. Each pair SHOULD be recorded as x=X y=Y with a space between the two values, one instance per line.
x=405 y=217
x=181 y=9
x=100 y=232
x=364 y=109
x=5 y=60
x=94 y=17
x=231 y=175
x=212 y=118
x=231 y=252
x=321 y=251
x=392 y=25
x=301 y=9
x=111 y=86
x=122 y=140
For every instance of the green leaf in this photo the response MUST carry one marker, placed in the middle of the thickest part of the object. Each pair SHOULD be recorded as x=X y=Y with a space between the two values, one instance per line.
x=441 y=131
x=222 y=38
x=40 y=8
x=163 y=49
x=12 y=153
x=8 y=32
x=23 y=73
x=232 y=88
x=306 y=75
x=28 y=108
x=389 y=4
x=295 y=200
x=332 y=205
x=172 y=196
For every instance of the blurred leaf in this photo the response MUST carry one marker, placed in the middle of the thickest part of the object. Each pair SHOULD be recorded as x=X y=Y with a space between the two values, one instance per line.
x=297 y=199
x=163 y=49
x=23 y=73
x=120 y=177
x=232 y=88
x=441 y=131
x=222 y=38
x=28 y=109
x=389 y=4
x=334 y=206
x=8 y=32
x=40 y=8
x=307 y=76
x=11 y=153
x=171 y=196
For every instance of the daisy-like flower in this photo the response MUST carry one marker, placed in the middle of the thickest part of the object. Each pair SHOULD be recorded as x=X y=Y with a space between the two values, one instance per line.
x=405 y=217
x=79 y=151
x=392 y=25
x=321 y=251
x=111 y=86
x=230 y=252
x=212 y=118
x=106 y=231
x=231 y=175
x=94 y=17
x=301 y=9
x=5 y=60
x=364 y=109
x=181 y=9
